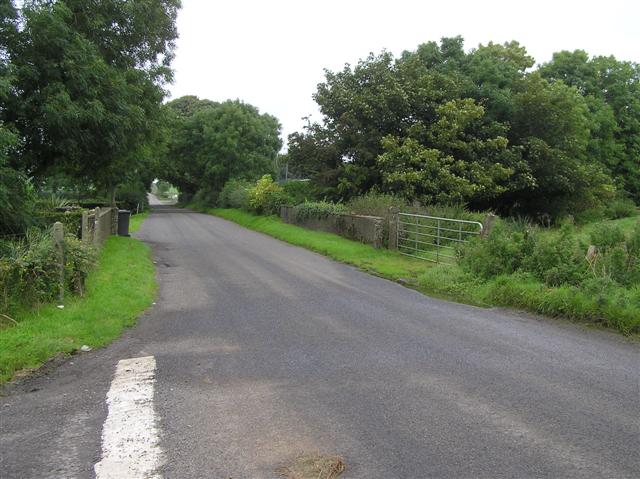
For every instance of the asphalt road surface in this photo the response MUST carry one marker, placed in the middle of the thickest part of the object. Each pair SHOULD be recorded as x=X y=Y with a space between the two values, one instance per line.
x=264 y=351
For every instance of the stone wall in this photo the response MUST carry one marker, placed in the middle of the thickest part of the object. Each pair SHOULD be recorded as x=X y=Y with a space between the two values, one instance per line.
x=366 y=229
x=98 y=224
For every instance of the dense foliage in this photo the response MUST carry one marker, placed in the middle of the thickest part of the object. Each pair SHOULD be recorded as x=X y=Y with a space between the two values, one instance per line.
x=210 y=143
x=310 y=210
x=81 y=87
x=29 y=272
x=266 y=197
x=439 y=124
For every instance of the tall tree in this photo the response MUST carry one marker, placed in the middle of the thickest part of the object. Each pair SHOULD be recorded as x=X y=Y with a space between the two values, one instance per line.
x=211 y=143
x=612 y=91
x=87 y=88
x=441 y=124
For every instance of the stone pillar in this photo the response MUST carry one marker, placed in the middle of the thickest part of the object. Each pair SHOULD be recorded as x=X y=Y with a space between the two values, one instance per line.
x=84 y=234
x=114 y=220
x=393 y=228
x=58 y=244
x=487 y=225
x=97 y=227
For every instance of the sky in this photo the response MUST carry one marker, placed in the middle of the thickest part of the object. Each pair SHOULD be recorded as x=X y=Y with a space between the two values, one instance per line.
x=272 y=54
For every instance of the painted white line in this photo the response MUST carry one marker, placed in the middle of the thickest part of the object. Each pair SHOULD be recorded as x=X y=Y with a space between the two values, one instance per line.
x=130 y=439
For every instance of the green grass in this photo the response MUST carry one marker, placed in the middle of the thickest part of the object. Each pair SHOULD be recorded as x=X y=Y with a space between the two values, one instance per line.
x=136 y=221
x=617 y=311
x=121 y=287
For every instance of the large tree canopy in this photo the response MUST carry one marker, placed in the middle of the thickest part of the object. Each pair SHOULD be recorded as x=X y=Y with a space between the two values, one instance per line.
x=210 y=143
x=441 y=124
x=87 y=84
x=612 y=91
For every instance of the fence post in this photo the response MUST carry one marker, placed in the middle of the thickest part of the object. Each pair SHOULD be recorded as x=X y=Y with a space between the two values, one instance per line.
x=58 y=244
x=487 y=225
x=393 y=228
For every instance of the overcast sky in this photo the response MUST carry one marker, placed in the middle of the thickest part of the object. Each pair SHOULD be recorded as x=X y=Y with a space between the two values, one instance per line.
x=272 y=53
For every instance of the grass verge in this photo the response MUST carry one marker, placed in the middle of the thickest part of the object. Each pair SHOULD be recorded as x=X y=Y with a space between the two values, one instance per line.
x=136 y=221
x=121 y=287
x=619 y=312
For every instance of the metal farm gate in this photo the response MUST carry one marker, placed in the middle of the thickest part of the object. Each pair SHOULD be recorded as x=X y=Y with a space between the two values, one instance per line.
x=432 y=238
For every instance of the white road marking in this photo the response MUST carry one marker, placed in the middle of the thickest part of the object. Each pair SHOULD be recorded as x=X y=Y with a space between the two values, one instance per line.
x=130 y=437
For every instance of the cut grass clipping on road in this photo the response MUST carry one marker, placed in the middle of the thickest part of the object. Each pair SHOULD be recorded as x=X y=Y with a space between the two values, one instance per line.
x=121 y=287
x=451 y=282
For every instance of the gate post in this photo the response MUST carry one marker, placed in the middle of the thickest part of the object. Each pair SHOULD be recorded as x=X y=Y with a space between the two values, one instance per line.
x=487 y=225
x=393 y=228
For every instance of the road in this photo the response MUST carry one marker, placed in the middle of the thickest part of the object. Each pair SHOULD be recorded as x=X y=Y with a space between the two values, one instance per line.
x=264 y=351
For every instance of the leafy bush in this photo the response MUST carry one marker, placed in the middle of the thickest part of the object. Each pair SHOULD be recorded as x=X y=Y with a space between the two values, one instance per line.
x=300 y=191
x=266 y=197
x=132 y=197
x=235 y=194
x=204 y=197
x=91 y=203
x=502 y=252
x=16 y=201
x=317 y=210
x=605 y=237
x=376 y=204
x=52 y=202
x=618 y=256
x=458 y=211
x=79 y=260
x=557 y=259
x=71 y=220
x=621 y=208
x=29 y=271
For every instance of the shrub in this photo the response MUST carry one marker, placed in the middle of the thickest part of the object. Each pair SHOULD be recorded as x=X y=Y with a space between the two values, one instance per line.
x=16 y=201
x=458 y=211
x=618 y=257
x=590 y=215
x=70 y=219
x=132 y=197
x=502 y=252
x=204 y=197
x=317 y=210
x=235 y=194
x=79 y=260
x=376 y=204
x=300 y=191
x=266 y=197
x=621 y=208
x=557 y=259
x=52 y=202
x=91 y=203
x=29 y=271
x=605 y=236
